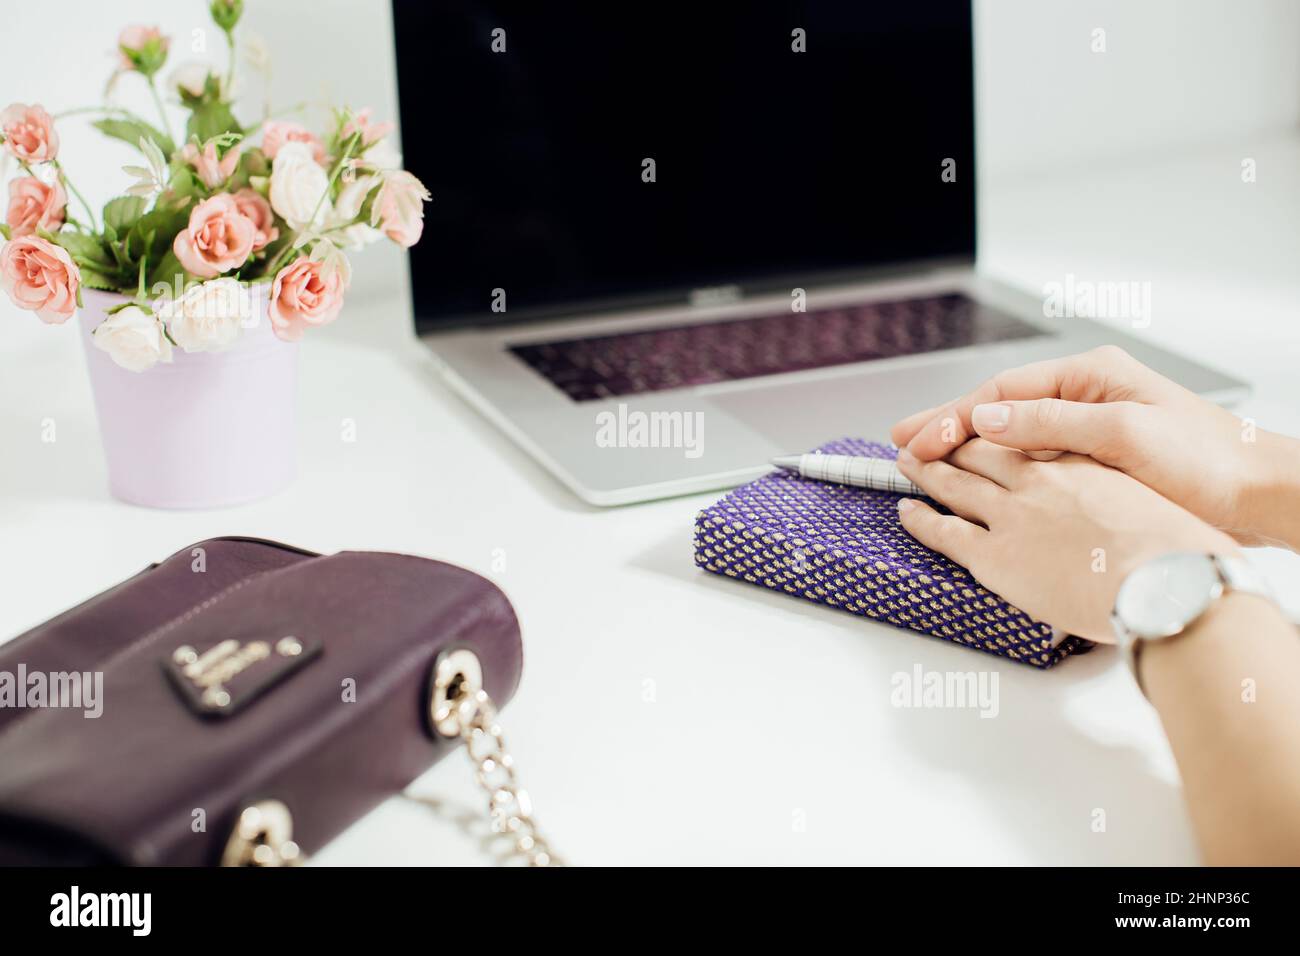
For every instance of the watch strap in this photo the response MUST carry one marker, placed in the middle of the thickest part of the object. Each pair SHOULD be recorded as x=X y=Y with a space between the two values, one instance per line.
x=1237 y=575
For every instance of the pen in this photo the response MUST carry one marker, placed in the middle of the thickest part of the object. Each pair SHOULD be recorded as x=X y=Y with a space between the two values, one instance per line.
x=880 y=474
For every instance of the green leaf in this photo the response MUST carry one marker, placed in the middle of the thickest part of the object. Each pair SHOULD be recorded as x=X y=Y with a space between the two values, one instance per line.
x=211 y=119
x=211 y=87
x=124 y=212
x=5 y=231
x=91 y=279
x=131 y=130
x=184 y=184
x=84 y=248
x=139 y=243
x=152 y=235
x=124 y=262
x=167 y=270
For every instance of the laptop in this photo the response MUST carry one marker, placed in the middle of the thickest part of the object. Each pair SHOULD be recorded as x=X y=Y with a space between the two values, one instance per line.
x=669 y=242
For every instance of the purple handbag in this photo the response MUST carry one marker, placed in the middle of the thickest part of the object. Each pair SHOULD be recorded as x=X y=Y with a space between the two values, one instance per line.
x=241 y=702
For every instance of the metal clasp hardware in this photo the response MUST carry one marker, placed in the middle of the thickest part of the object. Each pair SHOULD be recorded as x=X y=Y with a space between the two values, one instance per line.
x=263 y=837
x=457 y=692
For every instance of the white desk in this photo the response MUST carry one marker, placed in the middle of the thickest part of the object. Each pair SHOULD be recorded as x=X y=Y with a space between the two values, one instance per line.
x=671 y=716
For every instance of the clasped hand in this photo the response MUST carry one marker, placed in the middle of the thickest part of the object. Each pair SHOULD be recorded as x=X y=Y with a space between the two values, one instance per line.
x=1137 y=466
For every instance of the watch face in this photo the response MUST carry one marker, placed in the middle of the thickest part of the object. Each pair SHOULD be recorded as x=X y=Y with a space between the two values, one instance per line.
x=1163 y=596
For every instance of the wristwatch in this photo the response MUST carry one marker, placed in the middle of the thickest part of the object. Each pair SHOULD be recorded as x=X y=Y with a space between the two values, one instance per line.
x=1162 y=598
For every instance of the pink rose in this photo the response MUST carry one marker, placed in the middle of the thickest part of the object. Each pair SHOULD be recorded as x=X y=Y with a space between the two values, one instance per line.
x=212 y=171
x=399 y=208
x=142 y=48
x=34 y=205
x=29 y=133
x=40 y=276
x=218 y=238
x=302 y=296
x=371 y=133
x=136 y=37
x=258 y=210
x=276 y=133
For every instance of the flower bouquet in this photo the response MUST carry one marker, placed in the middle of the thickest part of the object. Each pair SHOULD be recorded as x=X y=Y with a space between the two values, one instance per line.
x=226 y=246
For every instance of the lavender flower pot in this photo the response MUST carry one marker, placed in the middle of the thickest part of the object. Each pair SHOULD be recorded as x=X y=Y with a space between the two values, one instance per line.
x=208 y=430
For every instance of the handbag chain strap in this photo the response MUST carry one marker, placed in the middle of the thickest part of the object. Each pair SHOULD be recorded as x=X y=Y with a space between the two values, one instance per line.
x=509 y=806
x=459 y=707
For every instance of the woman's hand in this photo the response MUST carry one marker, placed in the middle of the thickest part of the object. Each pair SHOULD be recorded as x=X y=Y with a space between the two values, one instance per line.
x=1055 y=538
x=1107 y=405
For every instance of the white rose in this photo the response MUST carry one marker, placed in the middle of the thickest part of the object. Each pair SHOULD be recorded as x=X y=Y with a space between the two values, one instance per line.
x=190 y=77
x=297 y=185
x=384 y=155
x=134 y=339
x=208 y=317
x=348 y=207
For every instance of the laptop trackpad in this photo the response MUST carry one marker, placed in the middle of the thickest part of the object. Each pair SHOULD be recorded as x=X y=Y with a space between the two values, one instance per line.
x=799 y=415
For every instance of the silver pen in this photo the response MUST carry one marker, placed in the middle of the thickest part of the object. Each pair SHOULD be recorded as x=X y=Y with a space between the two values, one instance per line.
x=880 y=474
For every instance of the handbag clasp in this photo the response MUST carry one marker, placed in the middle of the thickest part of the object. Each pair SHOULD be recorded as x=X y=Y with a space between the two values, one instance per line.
x=457 y=684
x=263 y=836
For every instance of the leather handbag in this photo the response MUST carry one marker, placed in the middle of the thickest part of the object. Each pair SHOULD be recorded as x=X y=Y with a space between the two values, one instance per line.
x=243 y=701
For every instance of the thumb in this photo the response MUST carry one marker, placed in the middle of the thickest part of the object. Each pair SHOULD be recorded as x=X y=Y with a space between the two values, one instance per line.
x=1105 y=431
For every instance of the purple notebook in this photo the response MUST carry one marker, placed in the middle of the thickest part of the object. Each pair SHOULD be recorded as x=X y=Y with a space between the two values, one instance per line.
x=845 y=547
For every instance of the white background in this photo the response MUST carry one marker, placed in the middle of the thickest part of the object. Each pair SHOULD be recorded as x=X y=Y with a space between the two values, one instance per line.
x=765 y=711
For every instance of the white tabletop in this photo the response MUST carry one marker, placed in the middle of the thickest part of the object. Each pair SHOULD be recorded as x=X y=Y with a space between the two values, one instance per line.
x=667 y=715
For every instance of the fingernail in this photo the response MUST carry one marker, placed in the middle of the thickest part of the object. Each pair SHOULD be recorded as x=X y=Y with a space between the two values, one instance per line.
x=991 y=417
x=905 y=505
x=905 y=457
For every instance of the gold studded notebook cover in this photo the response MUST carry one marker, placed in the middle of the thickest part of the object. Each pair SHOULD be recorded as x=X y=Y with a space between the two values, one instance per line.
x=844 y=547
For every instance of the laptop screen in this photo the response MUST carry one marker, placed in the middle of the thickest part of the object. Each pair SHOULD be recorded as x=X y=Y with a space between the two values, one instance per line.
x=581 y=157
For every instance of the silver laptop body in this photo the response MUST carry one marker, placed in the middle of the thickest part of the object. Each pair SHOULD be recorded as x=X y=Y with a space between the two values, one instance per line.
x=703 y=437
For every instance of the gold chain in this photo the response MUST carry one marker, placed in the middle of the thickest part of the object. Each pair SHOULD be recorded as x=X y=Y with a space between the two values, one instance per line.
x=459 y=709
x=494 y=770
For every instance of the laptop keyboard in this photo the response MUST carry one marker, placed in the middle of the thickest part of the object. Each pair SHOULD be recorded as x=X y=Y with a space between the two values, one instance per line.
x=653 y=360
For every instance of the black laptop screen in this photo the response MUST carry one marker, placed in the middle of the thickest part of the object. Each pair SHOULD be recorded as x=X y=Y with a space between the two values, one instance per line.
x=789 y=142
